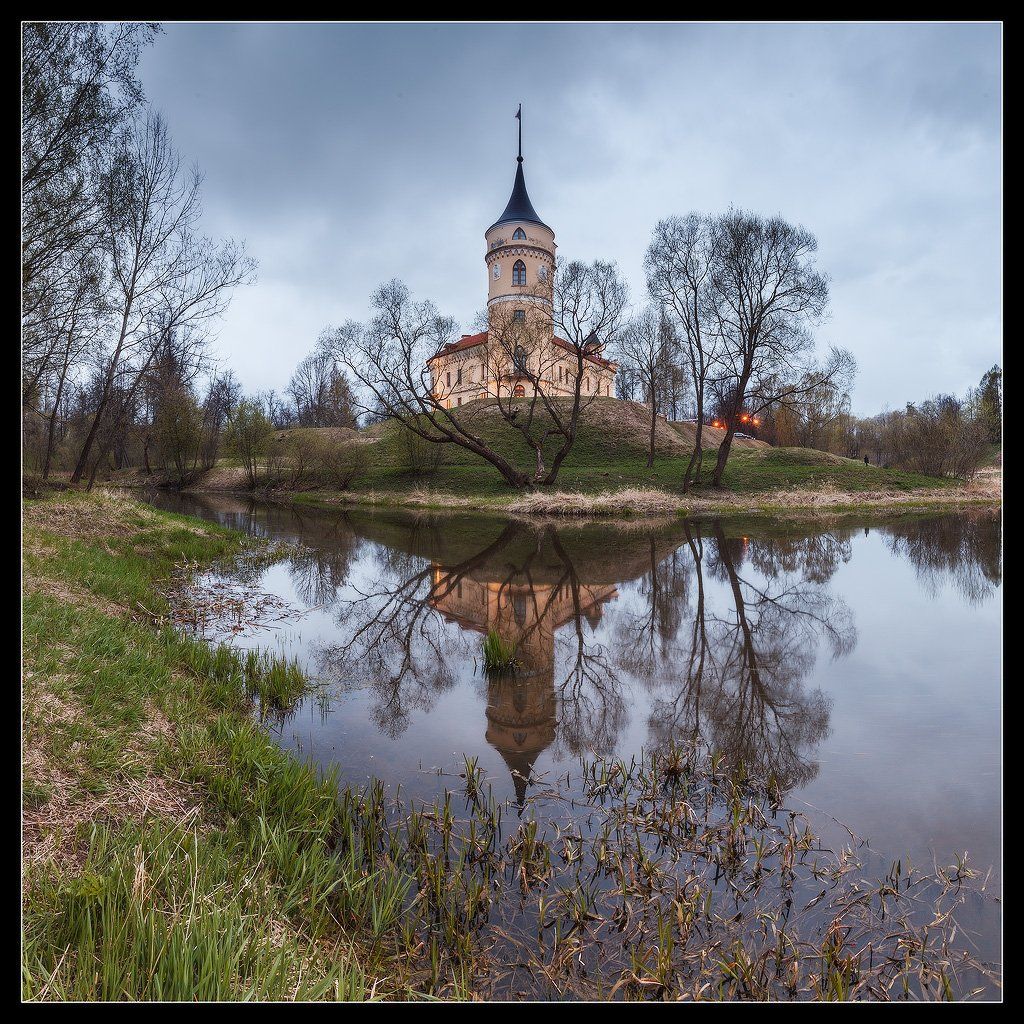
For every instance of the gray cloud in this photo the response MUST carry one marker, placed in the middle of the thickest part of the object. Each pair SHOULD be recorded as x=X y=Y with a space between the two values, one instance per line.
x=348 y=154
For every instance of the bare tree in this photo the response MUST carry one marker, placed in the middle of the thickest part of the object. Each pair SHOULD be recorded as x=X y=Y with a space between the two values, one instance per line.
x=167 y=280
x=546 y=355
x=679 y=264
x=222 y=396
x=278 y=409
x=388 y=360
x=321 y=393
x=767 y=296
x=648 y=346
x=75 y=336
x=78 y=88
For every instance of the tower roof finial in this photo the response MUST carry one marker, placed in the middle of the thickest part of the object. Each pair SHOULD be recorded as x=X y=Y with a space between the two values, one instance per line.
x=519 y=206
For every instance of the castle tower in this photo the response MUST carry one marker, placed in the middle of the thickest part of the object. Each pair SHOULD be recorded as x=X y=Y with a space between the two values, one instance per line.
x=520 y=260
x=521 y=350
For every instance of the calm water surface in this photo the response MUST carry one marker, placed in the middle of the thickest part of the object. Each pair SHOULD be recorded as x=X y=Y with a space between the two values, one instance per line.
x=859 y=664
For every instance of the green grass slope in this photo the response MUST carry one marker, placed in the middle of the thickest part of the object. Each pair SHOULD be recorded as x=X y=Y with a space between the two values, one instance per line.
x=611 y=451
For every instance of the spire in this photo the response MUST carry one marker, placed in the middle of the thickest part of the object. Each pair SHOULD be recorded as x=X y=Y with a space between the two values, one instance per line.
x=519 y=206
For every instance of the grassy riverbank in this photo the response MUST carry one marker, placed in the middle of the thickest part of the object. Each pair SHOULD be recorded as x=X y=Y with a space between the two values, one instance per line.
x=172 y=851
x=604 y=473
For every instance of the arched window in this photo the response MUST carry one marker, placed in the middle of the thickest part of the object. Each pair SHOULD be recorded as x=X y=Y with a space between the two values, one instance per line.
x=520 y=391
x=519 y=272
x=519 y=234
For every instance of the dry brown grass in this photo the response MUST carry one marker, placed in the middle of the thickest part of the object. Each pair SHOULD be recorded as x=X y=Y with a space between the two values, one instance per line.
x=56 y=769
x=51 y=830
x=629 y=501
x=117 y=515
x=649 y=502
x=223 y=478
x=988 y=481
x=69 y=593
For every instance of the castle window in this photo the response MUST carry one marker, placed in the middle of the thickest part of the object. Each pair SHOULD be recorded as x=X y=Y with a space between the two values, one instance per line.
x=448 y=375
x=458 y=377
x=460 y=400
x=520 y=391
x=520 y=315
x=519 y=234
x=519 y=272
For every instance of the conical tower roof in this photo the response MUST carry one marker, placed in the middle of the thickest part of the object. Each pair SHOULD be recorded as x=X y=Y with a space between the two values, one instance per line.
x=519 y=207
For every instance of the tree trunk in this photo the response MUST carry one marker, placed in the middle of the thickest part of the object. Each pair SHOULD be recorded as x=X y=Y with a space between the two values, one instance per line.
x=92 y=475
x=692 y=474
x=53 y=424
x=723 y=456
x=654 y=426
x=108 y=383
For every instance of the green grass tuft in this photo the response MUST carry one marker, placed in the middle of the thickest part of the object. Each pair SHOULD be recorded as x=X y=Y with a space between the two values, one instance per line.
x=499 y=654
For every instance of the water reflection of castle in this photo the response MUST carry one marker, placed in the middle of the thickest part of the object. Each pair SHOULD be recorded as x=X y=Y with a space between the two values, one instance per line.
x=522 y=708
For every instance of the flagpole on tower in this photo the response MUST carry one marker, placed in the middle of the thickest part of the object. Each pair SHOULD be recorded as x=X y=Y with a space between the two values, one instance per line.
x=519 y=118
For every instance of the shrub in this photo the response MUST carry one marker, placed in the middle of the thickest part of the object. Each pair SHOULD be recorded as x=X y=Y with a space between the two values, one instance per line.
x=420 y=457
x=335 y=463
x=246 y=437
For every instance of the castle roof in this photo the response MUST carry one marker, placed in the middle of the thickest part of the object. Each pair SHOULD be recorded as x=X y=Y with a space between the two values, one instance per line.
x=519 y=206
x=472 y=340
x=466 y=341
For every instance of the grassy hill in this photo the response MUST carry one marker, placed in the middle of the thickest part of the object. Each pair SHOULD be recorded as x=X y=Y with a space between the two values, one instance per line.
x=610 y=454
x=611 y=451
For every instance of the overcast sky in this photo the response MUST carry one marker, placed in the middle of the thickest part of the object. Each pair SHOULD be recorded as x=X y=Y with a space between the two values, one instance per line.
x=345 y=155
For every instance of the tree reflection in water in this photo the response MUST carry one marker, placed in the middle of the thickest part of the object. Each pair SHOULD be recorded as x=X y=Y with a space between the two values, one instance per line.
x=722 y=630
x=724 y=633
x=964 y=550
x=736 y=681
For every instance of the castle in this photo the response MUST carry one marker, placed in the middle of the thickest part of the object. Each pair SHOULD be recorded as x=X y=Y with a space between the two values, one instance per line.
x=519 y=354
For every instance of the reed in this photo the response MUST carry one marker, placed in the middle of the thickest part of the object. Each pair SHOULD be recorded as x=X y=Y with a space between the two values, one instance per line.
x=499 y=654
